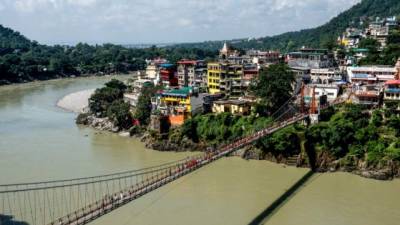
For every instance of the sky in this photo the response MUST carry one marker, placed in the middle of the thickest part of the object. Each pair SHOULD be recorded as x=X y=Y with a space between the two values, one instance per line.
x=162 y=21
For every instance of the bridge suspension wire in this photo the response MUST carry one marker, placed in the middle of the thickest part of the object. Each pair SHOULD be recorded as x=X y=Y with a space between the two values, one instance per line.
x=80 y=200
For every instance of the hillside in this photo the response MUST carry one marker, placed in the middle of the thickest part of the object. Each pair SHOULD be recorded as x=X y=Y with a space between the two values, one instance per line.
x=316 y=37
x=23 y=60
x=10 y=40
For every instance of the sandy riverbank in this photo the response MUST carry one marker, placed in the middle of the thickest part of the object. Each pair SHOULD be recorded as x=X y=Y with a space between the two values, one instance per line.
x=76 y=102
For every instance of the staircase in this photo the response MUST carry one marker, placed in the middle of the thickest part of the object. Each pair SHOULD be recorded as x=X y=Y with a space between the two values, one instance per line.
x=292 y=160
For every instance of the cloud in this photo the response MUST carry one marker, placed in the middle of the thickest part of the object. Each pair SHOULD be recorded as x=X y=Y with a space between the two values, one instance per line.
x=184 y=22
x=131 y=21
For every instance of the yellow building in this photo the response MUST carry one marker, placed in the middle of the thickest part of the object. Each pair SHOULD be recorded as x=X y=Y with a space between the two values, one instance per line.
x=224 y=78
x=177 y=105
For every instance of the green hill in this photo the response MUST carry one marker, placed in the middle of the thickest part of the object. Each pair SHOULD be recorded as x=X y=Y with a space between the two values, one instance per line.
x=315 y=37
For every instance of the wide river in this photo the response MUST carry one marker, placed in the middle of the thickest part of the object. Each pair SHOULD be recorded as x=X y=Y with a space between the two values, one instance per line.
x=39 y=141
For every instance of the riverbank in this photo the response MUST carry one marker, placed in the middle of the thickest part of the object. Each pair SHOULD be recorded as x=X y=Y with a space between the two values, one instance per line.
x=76 y=102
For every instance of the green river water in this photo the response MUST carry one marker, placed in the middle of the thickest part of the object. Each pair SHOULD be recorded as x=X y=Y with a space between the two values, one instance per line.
x=39 y=141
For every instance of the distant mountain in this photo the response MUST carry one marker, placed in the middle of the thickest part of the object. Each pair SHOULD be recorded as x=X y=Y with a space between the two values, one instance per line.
x=315 y=37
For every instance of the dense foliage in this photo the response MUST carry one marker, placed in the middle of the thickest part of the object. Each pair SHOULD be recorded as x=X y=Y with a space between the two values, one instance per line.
x=316 y=37
x=119 y=113
x=273 y=87
x=103 y=98
x=24 y=60
x=220 y=128
x=352 y=133
x=143 y=107
x=285 y=142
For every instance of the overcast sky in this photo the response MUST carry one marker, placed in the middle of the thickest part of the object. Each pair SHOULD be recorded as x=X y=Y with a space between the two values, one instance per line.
x=156 y=21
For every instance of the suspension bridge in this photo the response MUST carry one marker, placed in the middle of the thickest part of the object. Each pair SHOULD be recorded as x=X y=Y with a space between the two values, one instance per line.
x=81 y=200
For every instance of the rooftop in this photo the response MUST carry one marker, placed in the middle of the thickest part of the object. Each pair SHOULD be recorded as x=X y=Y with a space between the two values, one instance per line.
x=182 y=92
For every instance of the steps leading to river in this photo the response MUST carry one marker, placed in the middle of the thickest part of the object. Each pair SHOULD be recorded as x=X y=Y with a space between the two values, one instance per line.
x=292 y=160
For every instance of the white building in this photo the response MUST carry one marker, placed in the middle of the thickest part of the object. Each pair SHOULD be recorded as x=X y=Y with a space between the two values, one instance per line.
x=330 y=91
x=326 y=76
x=370 y=74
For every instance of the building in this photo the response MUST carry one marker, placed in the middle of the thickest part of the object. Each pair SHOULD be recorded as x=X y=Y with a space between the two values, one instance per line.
x=208 y=101
x=392 y=87
x=366 y=94
x=226 y=52
x=235 y=107
x=168 y=76
x=179 y=104
x=326 y=76
x=392 y=91
x=138 y=85
x=250 y=72
x=351 y=38
x=225 y=78
x=191 y=73
x=370 y=74
x=153 y=68
x=264 y=57
x=311 y=59
x=329 y=90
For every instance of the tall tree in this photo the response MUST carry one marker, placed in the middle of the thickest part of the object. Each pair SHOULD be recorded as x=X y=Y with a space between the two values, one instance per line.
x=274 y=87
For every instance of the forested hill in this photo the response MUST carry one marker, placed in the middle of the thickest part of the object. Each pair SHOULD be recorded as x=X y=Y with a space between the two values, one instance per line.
x=316 y=37
x=22 y=60
x=10 y=40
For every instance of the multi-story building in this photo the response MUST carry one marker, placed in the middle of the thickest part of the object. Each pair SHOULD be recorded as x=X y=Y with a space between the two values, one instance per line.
x=225 y=78
x=311 y=59
x=153 y=68
x=250 y=72
x=392 y=91
x=326 y=76
x=178 y=104
x=263 y=58
x=168 y=76
x=366 y=94
x=392 y=87
x=191 y=73
x=330 y=91
x=370 y=74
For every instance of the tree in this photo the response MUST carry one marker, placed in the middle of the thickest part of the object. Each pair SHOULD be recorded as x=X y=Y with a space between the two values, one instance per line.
x=116 y=84
x=143 y=107
x=119 y=113
x=189 y=129
x=102 y=99
x=274 y=87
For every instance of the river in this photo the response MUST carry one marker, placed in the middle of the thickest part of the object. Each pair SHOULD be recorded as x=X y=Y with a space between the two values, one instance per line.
x=39 y=141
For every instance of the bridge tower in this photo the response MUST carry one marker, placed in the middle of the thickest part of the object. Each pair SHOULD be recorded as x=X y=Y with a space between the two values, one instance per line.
x=314 y=111
x=302 y=102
